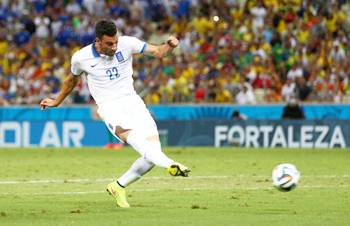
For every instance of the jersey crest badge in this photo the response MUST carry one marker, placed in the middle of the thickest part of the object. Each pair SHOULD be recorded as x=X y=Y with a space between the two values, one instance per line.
x=119 y=56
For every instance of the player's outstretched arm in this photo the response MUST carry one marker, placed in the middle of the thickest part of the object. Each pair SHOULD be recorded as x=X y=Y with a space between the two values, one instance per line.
x=161 y=50
x=68 y=85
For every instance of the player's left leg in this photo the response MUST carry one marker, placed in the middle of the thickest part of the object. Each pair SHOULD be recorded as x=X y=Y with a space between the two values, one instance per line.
x=139 y=168
x=117 y=189
x=118 y=193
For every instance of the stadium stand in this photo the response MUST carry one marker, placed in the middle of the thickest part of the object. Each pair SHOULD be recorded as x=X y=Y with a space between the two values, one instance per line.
x=231 y=51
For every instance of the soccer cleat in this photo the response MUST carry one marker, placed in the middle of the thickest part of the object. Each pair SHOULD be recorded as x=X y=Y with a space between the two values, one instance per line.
x=118 y=193
x=177 y=169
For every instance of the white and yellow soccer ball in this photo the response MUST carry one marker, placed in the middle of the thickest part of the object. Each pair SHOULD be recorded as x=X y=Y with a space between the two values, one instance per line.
x=285 y=177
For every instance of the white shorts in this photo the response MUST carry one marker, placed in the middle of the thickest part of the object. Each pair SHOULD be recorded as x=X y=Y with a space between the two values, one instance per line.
x=129 y=112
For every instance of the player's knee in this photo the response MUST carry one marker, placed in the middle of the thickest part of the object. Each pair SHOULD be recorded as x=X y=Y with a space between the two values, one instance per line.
x=122 y=133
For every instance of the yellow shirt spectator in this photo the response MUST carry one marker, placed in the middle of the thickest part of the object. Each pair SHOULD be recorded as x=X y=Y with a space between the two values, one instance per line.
x=3 y=47
x=223 y=96
x=271 y=4
x=282 y=27
x=188 y=72
x=331 y=23
x=181 y=86
x=304 y=34
x=152 y=98
x=202 y=24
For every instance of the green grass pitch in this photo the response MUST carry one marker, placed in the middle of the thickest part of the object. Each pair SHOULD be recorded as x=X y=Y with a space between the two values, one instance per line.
x=227 y=186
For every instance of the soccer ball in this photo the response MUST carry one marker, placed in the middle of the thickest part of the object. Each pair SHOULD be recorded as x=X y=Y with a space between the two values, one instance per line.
x=285 y=177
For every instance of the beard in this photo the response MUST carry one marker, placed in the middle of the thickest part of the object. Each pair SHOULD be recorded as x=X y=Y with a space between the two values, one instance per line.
x=108 y=52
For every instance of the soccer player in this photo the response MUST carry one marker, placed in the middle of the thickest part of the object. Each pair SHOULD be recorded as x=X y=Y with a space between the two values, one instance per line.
x=107 y=65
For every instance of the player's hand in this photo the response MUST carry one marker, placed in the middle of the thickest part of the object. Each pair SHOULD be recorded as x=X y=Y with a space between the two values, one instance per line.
x=173 y=41
x=48 y=102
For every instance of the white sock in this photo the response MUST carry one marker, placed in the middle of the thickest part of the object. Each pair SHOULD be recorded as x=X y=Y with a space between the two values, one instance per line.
x=150 y=150
x=140 y=167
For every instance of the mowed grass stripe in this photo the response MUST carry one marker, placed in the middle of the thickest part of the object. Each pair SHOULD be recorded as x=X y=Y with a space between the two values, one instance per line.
x=86 y=180
x=172 y=189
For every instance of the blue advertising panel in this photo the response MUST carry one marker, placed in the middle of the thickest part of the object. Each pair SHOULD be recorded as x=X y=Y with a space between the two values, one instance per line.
x=34 y=113
x=52 y=133
x=217 y=133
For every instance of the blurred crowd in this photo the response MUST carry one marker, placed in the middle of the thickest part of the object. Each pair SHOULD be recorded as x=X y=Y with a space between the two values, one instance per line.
x=231 y=51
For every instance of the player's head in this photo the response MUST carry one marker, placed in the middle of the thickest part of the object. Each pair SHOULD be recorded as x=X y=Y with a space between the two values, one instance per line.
x=106 y=37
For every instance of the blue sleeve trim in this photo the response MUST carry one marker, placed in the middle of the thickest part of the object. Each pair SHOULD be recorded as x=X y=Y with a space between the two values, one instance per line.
x=94 y=51
x=143 y=48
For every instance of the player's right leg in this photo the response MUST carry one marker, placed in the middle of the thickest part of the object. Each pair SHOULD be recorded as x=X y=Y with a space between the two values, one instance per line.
x=150 y=148
x=174 y=168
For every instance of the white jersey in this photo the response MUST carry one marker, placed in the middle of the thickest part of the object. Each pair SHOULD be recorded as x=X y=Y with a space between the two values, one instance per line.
x=108 y=78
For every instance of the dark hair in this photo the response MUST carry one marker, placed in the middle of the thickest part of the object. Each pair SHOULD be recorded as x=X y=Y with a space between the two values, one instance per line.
x=105 y=27
x=235 y=114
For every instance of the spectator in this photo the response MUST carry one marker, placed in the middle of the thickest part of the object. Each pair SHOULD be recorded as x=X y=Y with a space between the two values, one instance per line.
x=303 y=90
x=337 y=53
x=292 y=110
x=259 y=12
x=288 y=90
x=236 y=115
x=246 y=95
x=295 y=72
